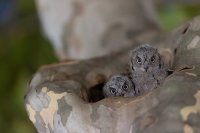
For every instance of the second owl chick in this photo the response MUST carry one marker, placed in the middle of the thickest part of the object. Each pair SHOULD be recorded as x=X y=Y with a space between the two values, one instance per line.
x=147 y=68
x=119 y=85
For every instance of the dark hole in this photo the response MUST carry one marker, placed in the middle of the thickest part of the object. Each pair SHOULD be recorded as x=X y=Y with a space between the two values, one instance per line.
x=186 y=29
x=169 y=72
x=175 y=51
x=96 y=93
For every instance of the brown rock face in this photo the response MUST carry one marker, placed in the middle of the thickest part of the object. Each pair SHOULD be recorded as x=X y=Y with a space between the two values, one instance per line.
x=66 y=97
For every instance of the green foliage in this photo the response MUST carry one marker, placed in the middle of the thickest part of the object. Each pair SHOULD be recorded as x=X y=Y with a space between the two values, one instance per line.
x=23 y=54
x=174 y=14
x=23 y=50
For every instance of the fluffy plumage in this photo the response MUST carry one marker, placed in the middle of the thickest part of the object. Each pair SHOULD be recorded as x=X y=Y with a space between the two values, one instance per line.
x=146 y=68
x=119 y=85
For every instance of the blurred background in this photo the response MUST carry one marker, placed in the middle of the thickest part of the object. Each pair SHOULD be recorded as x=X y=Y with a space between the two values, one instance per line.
x=23 y=49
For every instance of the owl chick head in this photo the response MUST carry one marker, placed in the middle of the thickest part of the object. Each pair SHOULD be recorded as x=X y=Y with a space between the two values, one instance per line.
x=144 y=58
x=118 y=85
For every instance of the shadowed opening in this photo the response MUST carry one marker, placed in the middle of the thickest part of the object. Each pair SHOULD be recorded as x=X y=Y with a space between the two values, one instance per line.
x=185 y=29
x=169 y=72
x=96 y=93
x=175 y=51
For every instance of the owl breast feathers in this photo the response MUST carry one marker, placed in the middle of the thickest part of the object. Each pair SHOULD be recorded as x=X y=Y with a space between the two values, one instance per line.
x=146 y=68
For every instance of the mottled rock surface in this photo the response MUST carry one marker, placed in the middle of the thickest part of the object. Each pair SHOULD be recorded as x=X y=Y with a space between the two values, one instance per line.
x=83 y=29
x=59 y=96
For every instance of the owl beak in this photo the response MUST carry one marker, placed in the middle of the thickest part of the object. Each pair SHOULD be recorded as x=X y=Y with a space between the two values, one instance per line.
x=146 y=68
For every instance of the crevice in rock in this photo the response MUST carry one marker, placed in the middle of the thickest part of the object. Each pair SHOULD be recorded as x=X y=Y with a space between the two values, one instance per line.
x=96 y=93
x=170 y=72
x=185 y=29
x=175 y=51
x=186 y=68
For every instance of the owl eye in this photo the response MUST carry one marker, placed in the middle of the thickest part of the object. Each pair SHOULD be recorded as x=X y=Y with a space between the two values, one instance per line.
x=153 y=59
x=112 y=90
x=138 y=60
x=125 y=86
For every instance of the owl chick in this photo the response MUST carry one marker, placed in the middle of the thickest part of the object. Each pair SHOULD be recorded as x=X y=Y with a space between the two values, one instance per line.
x=146 y=68
x=119 y=85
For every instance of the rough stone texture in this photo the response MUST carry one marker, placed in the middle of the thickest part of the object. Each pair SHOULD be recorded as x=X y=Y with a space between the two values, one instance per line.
x=83 y=29
x=59 y=96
